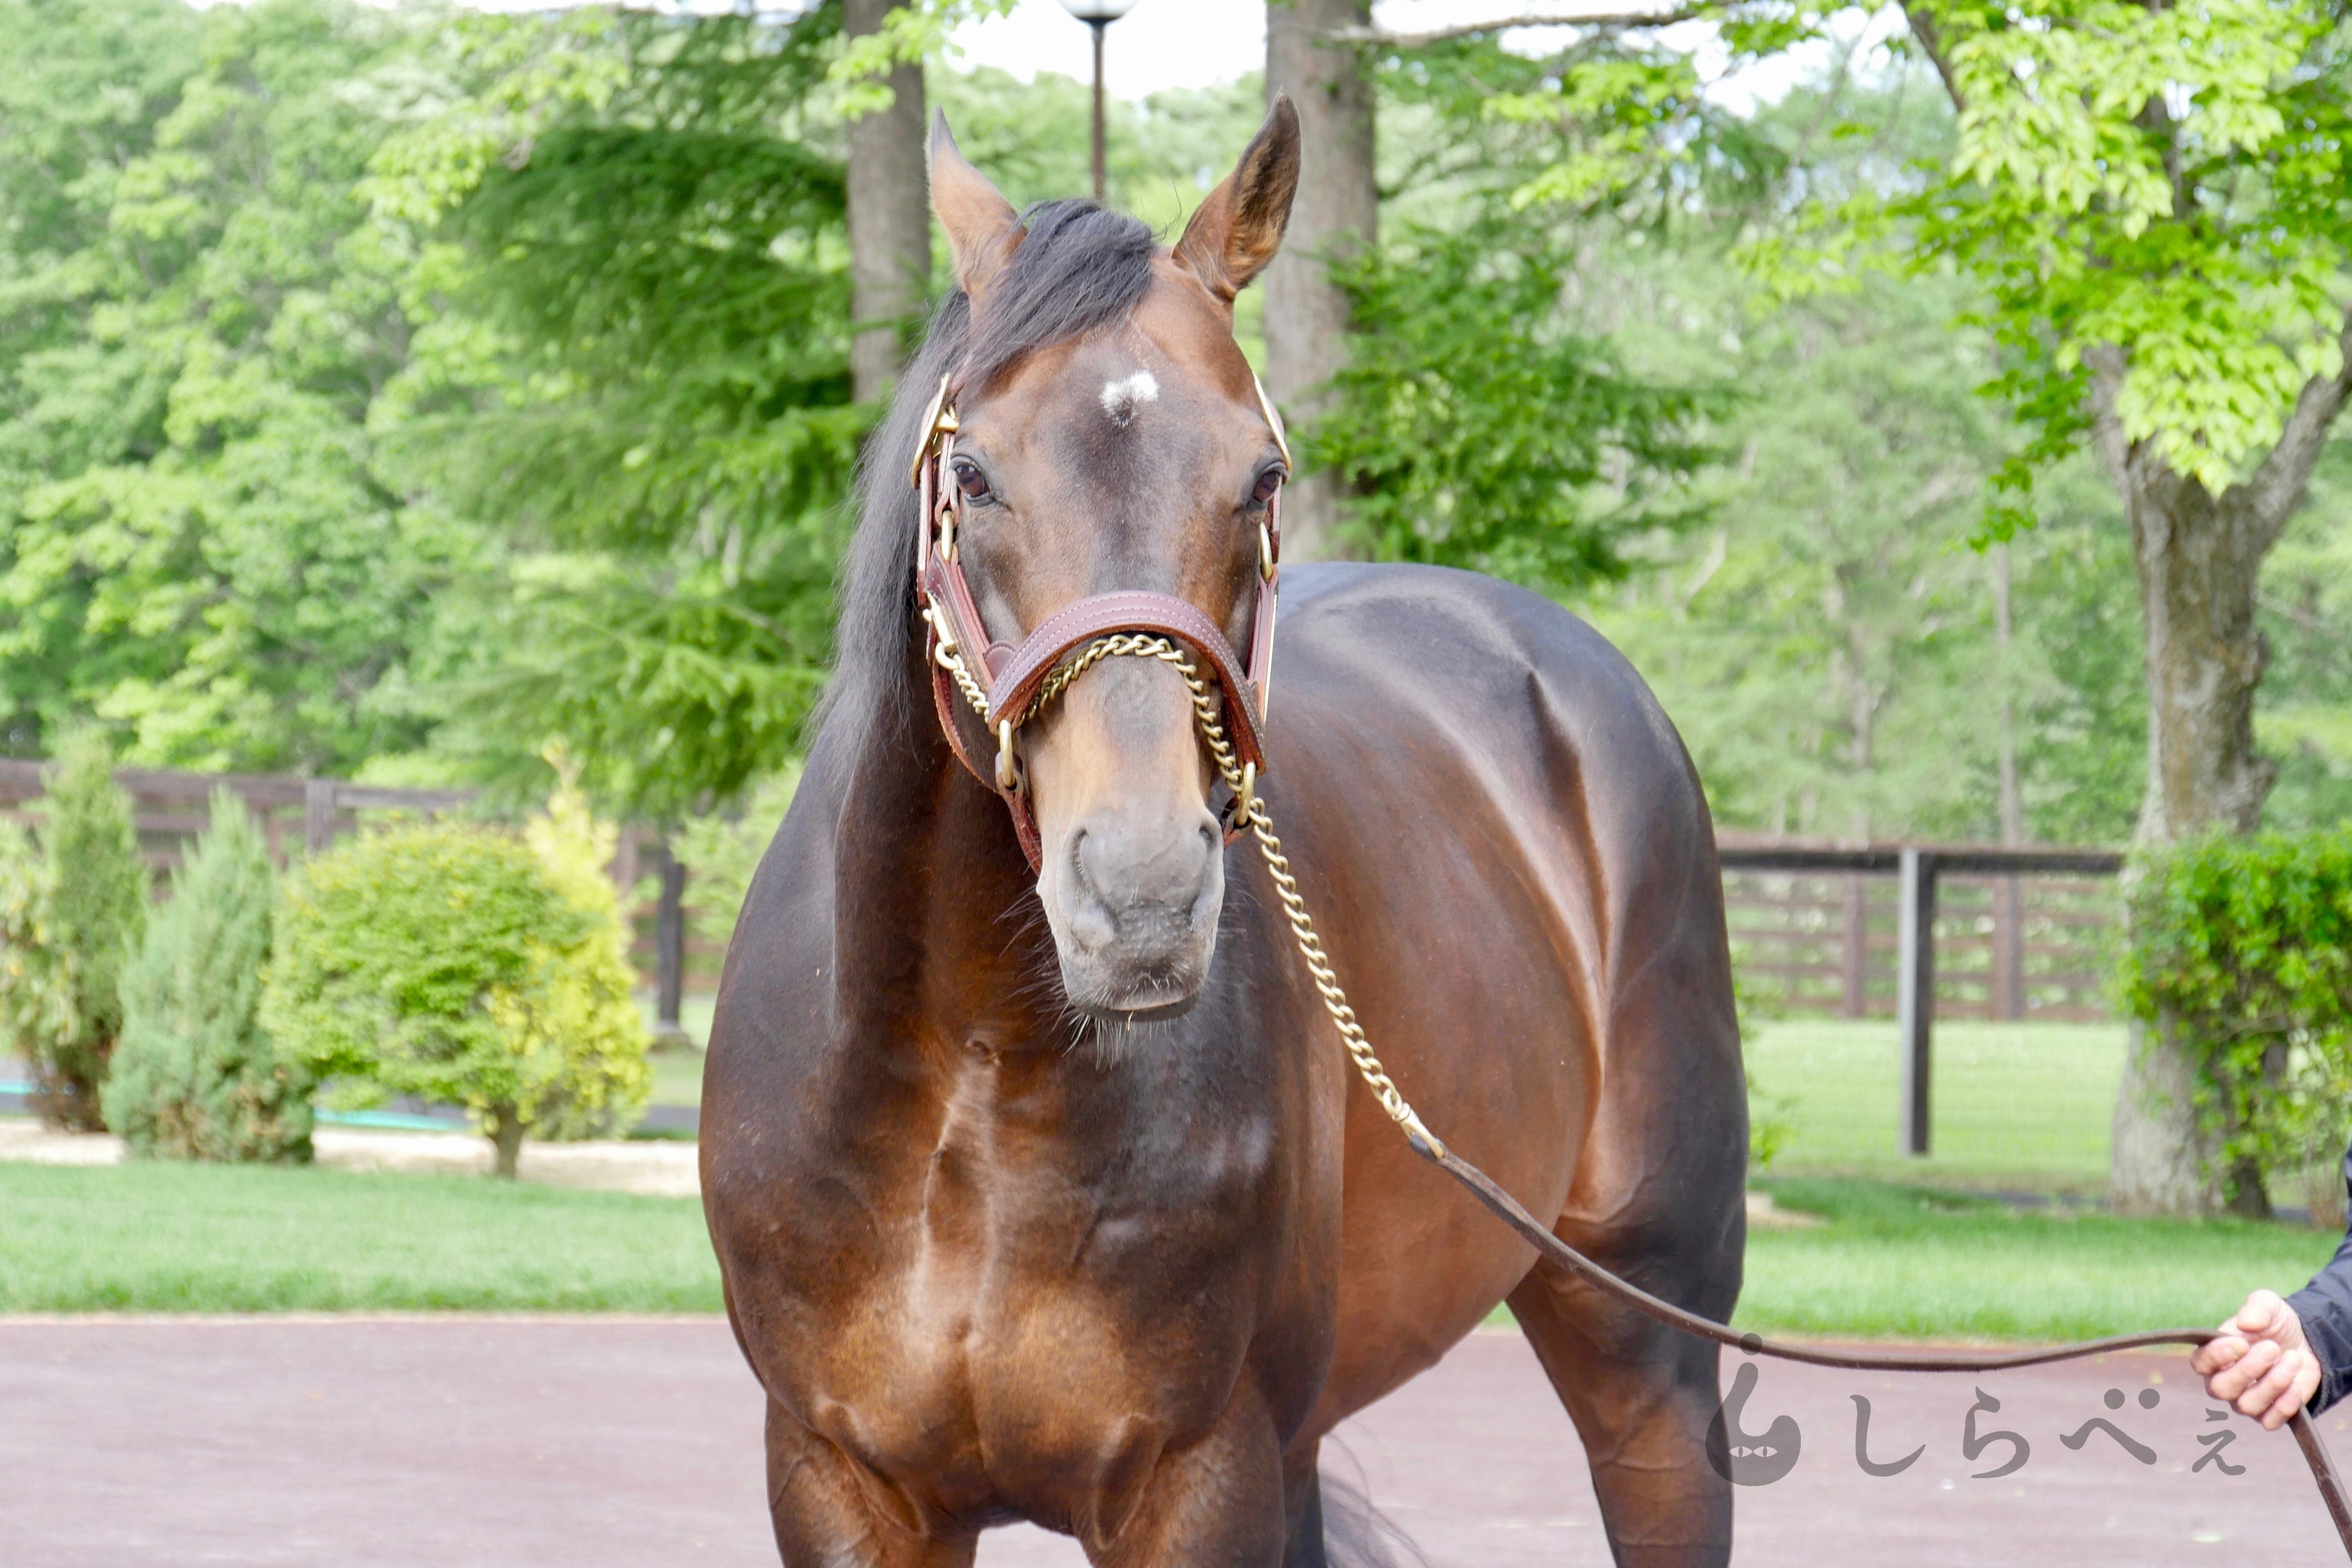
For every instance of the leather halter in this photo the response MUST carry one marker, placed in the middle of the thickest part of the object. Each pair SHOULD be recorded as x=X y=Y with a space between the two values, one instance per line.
x=1013 y=675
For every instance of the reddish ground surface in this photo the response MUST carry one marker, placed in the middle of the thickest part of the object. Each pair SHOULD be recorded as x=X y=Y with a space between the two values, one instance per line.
x=590 y=1443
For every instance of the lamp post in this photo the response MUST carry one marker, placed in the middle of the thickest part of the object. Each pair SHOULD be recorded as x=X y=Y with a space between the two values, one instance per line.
x=1098 y=14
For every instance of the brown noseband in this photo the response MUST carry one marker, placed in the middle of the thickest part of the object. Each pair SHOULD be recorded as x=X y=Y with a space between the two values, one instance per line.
x=960 y=653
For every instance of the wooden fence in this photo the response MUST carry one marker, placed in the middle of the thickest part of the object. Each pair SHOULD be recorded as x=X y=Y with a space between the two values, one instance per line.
x=2007 y=947
x=1921 y=873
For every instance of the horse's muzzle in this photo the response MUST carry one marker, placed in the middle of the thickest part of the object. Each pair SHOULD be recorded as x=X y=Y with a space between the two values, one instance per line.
x=1133 y=897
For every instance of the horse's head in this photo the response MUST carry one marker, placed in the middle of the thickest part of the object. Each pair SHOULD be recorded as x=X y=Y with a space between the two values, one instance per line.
x=1135 y=456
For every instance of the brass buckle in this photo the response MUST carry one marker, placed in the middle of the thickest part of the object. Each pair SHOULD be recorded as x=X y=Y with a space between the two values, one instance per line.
x=940 y=419
x=1008 y=767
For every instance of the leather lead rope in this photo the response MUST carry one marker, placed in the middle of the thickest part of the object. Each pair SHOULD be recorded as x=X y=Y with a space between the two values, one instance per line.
x=1502 y=1205
x=1559 y=1253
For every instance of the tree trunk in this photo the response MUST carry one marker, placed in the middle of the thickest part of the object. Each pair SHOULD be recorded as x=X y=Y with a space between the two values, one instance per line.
x=889 y=219
x=2199 y=558
x=506 y=1136
x=1337 y=213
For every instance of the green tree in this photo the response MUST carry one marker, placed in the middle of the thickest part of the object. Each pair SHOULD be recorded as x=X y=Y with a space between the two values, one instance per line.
x=37 y=991
x=195 y=542
x=195 y=1077
x=100 y=886
x=635 y=371
x=2152 y=198
x=1477 y=420
x=1474 y=426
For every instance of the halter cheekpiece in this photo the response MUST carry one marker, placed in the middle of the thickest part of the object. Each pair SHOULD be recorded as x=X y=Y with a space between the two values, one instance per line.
x=1006 y=686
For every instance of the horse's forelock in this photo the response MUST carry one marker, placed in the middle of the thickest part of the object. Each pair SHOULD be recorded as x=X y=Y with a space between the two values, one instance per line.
x=1078 y=269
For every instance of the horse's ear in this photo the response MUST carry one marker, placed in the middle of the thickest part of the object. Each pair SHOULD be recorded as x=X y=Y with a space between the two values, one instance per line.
x=984 y=230
x=1238 y=230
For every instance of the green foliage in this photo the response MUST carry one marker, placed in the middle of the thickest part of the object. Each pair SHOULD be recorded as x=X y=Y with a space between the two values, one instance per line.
x=1480 y=429
x=1771 y=1123
x=2241 y=948
x=721 y=853
x=1826 y=644
x=2305 y=720
x=195 y=1077
x=2155 y=189
x=635 y=369
x=589 y=1011
x=453 y=962
x=196 y=316
x=910 y=33
x=100 y=886
x=37 y=978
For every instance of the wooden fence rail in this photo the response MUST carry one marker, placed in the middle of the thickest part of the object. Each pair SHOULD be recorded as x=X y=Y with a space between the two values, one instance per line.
x=2066 y=941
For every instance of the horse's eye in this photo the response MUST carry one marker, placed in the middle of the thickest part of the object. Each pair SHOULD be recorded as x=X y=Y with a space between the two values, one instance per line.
x=971 y=481
x=1267 y=483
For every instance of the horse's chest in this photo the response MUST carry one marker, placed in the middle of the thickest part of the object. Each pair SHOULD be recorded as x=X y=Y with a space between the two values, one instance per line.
x=1002 y=1315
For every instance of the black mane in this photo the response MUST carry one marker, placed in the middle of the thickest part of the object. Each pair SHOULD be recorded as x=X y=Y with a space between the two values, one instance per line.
x=1080 y=268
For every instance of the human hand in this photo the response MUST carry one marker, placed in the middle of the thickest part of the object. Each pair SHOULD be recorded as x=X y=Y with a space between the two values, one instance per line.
x=2260 y=1364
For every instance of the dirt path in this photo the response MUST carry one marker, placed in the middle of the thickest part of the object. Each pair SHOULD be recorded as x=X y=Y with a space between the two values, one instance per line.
x=598 y=1443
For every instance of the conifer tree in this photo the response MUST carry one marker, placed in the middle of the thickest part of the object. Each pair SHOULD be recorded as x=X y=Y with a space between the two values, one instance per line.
x=100 y=887
x=195 y=1076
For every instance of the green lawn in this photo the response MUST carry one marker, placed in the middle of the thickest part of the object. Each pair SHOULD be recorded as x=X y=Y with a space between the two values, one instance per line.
x=1912 y=1263
x=1892 y=1261
x=2013 y=1105
x=677 y=1075
x=207 y=1238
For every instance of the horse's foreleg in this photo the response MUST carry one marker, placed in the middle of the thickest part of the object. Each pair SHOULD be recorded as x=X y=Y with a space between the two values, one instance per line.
x=1220 y=1501
x=1302 y=1489
x=1641 y=1396
x=829 y=1515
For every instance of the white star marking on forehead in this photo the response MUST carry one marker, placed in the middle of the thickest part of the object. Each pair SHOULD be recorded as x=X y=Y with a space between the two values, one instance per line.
x=1122 y=398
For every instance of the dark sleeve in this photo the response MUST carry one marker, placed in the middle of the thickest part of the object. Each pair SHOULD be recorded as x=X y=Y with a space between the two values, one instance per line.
x=2325 y=1308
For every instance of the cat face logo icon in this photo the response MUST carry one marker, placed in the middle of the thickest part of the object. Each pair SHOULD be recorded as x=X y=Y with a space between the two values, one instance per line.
x=1745 y=1458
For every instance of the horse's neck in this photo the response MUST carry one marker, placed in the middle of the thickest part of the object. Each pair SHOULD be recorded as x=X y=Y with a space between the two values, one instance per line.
x=936 y=915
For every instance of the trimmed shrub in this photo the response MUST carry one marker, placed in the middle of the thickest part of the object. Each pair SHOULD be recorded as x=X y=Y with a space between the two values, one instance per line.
x=456 y=963
x=37 y=990
x=589 y=1008
x=194 y=1076
x=2241 y=948
x=100 y=886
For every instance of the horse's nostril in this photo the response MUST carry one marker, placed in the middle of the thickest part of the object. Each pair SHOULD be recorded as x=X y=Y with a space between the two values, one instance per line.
x=1154 y=872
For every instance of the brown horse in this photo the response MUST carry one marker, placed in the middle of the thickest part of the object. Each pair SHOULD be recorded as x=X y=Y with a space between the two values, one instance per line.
x=1052 y=1196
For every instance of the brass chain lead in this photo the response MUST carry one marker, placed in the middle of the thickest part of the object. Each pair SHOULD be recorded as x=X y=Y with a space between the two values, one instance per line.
x=1206 y=712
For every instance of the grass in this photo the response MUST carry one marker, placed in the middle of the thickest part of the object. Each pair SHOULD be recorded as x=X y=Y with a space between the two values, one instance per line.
x=1892 y=1261
x=2017 y=1106
x=2024 y=1106
x=1919 y=1263
x=677 y=1075
x=165 y=1238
